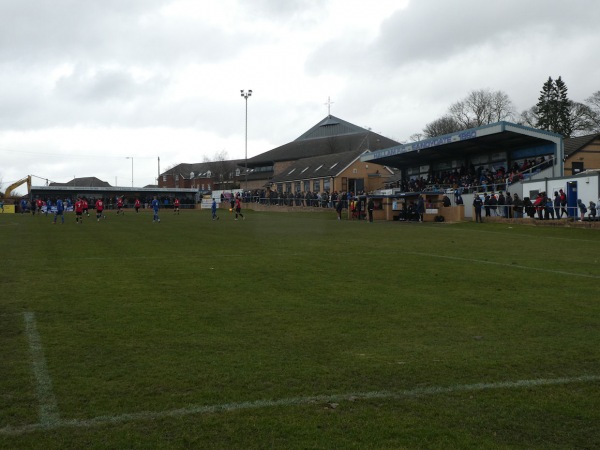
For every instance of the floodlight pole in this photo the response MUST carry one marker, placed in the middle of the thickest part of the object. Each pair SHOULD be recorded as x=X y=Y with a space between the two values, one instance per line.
x=246 y=95
x=131 y=158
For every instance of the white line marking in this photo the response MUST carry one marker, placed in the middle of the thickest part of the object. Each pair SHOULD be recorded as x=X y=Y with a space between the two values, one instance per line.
x=226 y=407
x=48 y=408
x=518 y=266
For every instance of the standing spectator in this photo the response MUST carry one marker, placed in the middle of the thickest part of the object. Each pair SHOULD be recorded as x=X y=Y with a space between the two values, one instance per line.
x=563 y=203
x=501 y=203
x=370 y=208
x=493 y=204
x=421 y=208
x=556 y=205
x=517 y=207
x=60 y=209
x=238 y=208
x=99 y=209
x=477 y=204
x=155 y=208
x=486 y=204
x=549 y=213
x=213 y=209
x=592 y=208
x=2 y=205
x=508 y=208
x=582 y=208
x=539 y=205
x=338 y=208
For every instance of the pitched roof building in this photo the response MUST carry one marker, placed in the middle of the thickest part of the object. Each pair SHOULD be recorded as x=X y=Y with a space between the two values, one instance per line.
x=317 y=155
x=582 y=153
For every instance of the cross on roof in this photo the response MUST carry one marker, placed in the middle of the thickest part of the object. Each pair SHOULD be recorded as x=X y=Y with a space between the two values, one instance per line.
x=329 y=103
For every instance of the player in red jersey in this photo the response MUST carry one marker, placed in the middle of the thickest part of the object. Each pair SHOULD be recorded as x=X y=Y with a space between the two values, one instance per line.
x=79 y=210
x=120 y=205
x=137 y=205
x=238 y=208
x=100 y=209
x=176 y=206
x=85 y=207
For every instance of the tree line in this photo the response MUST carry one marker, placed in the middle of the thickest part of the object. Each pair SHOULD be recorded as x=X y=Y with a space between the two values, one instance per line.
x=553 y=112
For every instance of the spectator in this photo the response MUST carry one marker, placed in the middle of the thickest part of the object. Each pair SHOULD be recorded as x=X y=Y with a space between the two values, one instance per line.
x=582 y=208
x=592 y=208
x=556 y=205
x=517 y=206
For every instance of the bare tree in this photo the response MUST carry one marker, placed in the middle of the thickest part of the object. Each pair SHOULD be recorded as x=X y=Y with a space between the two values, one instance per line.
x=443 y=125
x=222 y=170
x=529 y=117
x=582 y=118
x=482 y=107
x=593 y=103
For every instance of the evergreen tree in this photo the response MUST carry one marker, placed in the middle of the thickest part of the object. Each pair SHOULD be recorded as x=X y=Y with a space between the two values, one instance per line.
x=553 y=108
x=563 y=111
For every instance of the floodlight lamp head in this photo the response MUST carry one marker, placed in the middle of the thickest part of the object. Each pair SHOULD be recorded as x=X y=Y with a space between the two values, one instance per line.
x=249 y=92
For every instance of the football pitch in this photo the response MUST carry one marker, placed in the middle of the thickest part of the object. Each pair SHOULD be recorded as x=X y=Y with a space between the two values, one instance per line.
x=296 y=330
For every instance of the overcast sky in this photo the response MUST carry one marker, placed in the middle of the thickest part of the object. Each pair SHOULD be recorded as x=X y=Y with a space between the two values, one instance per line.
x=85 y=84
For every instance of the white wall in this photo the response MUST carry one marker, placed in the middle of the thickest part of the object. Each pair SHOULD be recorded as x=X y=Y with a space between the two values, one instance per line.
x=587 y=187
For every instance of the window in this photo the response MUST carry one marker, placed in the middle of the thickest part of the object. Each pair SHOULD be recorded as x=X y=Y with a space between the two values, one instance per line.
x=177 y=177
x=317 y=185
x=306 y=185
x=191 y=175
x=208 y=174
x=305 y=169
x=237 y=172
x=318 y=167
x=327 y=184
x=291 y=171
x=333 y=165
x=576 y=167
x=288 y=187
x=164 y=178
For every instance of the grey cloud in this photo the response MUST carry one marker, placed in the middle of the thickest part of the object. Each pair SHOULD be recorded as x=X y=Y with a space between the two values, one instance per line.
x=108 y=84
x=431 y=30
x=129 y=32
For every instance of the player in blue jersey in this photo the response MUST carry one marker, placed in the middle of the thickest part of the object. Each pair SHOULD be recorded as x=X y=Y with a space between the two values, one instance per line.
x=213 y=209
x=60 y=211
x=155 y=207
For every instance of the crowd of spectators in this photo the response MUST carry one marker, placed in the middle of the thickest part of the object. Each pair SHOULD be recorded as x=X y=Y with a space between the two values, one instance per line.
x=471 y=179
x=324 y=199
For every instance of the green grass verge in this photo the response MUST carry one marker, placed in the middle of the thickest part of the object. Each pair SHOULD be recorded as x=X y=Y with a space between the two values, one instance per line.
x=298 y=331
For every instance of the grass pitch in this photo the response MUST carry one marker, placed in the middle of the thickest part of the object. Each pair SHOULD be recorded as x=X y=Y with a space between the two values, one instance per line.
x=296 y=331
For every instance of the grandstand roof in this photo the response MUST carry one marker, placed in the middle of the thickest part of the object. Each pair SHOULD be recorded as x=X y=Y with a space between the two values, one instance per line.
x=496 y=137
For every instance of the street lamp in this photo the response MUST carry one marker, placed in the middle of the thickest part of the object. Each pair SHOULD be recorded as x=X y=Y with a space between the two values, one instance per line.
x=246 y=95
x=131 y=158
